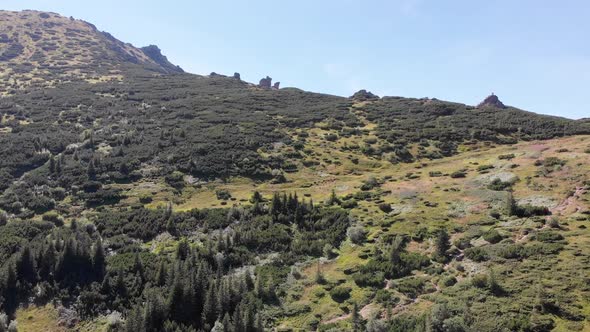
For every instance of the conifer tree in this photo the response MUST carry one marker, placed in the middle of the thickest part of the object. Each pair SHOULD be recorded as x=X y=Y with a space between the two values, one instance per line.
x=98 y=261
x=10 y=291
x=161 y=274
x=25 y=267
x=442 y=243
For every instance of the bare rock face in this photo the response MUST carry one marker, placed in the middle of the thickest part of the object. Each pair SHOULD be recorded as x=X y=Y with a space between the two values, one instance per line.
x=276 y=85
x=237 y=76
x=491 y=101
x=364 y=95
x=265 y=83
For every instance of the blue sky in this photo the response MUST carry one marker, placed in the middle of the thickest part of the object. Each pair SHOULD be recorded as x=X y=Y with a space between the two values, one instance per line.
x=534 y=55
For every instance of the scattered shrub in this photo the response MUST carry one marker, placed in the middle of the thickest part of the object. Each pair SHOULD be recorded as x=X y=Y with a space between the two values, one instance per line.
x=506 y=156
x=357 y=234
x=340 y=293
x=331 y=137
x=458 y=174
x=222 y=194
x=499 y=185
x=476 y=254
x=492 y=236
x=479 y=280
x=385 y=207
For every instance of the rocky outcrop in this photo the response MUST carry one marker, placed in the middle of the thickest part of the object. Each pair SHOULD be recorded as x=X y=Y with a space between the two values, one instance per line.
x=237 y=76
x=276 y=85
x=364 y=95
x=265 y=83
x=154 y=53
x=491 y=101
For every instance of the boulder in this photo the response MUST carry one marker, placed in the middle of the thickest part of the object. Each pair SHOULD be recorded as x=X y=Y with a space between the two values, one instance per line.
x=237 y=76
x=276 y=85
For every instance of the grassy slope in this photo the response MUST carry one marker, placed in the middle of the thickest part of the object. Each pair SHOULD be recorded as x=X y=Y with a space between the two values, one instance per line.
x=460 y=204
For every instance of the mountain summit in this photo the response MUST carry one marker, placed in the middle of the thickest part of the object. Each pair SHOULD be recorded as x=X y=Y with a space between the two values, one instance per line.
x=493 y=101
x=43 y=49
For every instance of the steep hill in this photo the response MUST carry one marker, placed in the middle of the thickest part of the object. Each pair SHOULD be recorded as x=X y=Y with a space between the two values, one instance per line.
x=43 y=49
x=138 y=197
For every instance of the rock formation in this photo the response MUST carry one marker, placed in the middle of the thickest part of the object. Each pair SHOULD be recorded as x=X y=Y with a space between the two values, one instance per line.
x=491 y=101
x=237 y=76
x=265 y=83
x=276 y=85
x=364 y=95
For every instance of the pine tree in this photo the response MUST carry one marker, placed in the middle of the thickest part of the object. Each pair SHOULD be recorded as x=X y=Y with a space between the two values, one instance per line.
x=276 y=204
x=138 y=267
x=155 y=313
x=509 y=204
x=47 y=261
x=442 y=244
x=256 y=197
x=10 y=291
x=59 y=164
x=98 y=261
x=161 y=274
x=91 y=170
x=175 y=304
x=25 y=267
x=52 y=165
x=333 y=200
x=135 y=320
x=209 y=308
x=182 y=250
x=357 y=323
x=227 y=323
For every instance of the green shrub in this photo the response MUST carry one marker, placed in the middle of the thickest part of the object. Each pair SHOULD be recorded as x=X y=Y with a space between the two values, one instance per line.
x=527 y=210
x=458 y=174
x=145 y=198
x=357 y=234
x=499 y=185
x=548 y=236
x=385 y=297
x=479 y=280
x=462 y=242
x=449 y=281
x=476 y=254
x=340 y=293
x=369 y=279
x=385 y=207
x=552 y=162
x=54 y=218
x=492 y=236
x=512 y=251
x=412 y=286
x=222 y=194
x=331 y=137
x=482 y=168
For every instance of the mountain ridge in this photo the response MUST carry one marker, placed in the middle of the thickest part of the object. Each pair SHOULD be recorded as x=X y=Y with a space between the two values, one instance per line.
x=41 y=49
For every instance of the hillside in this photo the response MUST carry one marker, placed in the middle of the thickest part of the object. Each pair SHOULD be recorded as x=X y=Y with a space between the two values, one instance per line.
x=39 y=49
x=137 y=197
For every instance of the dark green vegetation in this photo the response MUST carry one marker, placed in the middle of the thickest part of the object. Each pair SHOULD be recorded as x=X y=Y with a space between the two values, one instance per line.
x=439 y=126
x=186 y=289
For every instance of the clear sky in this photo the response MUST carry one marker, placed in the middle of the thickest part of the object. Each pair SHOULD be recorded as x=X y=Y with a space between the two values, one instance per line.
x=534 y=54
